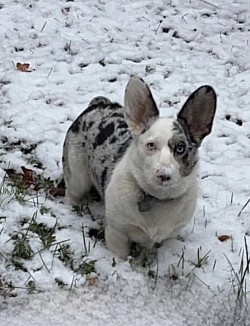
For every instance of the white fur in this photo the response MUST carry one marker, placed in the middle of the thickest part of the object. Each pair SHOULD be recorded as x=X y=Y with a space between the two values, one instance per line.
x=137 y=170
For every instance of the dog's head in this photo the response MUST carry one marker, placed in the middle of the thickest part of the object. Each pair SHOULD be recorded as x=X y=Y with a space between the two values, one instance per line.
x=166 y=149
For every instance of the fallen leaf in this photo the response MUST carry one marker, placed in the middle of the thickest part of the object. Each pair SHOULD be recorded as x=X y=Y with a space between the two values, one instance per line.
x=92 y=279
x=29 y=177
x=57 y=192
x=61 y=184
x=25 y=67
x=224 y=237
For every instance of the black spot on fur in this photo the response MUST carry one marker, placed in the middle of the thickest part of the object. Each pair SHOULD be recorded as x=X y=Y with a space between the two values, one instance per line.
x=90 y=124
x=122 y=124
x=117 y=114
x=115 y=106
x=123 y=132
x=122 y=149
x=75 y=126
x=113 y=140
x=104 y=134
x=90 y=108
x=84 y=125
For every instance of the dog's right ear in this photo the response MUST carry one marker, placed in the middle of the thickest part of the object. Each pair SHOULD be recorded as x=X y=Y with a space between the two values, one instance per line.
x=140 y=106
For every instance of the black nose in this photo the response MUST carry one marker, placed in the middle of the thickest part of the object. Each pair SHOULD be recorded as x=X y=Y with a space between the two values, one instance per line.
x=163 y=176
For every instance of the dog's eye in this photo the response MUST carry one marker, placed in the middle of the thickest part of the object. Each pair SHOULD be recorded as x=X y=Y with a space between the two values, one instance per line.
x=180 y=149
x=151 y=146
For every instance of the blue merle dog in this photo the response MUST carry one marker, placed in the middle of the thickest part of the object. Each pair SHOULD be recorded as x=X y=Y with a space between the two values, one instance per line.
x=143 y=166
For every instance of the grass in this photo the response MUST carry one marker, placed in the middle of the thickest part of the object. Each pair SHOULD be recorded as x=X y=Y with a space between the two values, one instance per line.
x=182 y=268
x=6 y=289
x=201 y=259
x=22 y=188
x=32 y=238
x=240 y=278
x=45 y=233
x=22 y=248
x=11 y=192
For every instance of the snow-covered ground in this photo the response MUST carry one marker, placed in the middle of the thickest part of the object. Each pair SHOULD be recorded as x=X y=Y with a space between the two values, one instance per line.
x=51 y=271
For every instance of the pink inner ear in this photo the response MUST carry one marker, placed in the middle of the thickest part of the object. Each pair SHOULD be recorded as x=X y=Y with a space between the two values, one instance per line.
x=136 y=125
x=139 y=105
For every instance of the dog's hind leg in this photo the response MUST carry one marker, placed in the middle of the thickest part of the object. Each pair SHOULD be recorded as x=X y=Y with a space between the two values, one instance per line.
x=77 y=174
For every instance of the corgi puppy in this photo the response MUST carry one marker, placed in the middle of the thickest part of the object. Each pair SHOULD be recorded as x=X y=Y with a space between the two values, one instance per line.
x=142 y=165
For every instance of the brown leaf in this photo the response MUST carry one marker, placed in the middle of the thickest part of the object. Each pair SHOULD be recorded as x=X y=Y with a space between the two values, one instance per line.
x=57 y=191
x=61 y=184
x=92 y=279
x=25 y=67
x=224 y=237
x=29 y=177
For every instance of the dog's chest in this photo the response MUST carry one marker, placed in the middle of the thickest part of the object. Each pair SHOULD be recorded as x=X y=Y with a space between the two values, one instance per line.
x=159 y=219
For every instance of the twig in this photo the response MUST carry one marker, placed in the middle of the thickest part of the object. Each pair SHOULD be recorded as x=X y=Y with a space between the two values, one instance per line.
x=210 y=4
x=247 y=255
x=208 y=286
x=232 y=198
x=43 y=27
x=156 y=31
x=244 y=206
x=145 y=18
x=50 y=72
x=184 y=18
x=214 y=264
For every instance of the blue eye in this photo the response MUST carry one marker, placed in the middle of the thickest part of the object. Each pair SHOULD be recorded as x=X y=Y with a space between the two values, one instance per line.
x=180 y=149
x=151 y=146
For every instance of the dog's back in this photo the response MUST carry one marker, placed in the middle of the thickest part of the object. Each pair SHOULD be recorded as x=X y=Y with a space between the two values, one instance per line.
x=95 y=141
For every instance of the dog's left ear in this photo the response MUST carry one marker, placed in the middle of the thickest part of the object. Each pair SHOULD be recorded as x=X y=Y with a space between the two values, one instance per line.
x=197 y=114
x=140 y=106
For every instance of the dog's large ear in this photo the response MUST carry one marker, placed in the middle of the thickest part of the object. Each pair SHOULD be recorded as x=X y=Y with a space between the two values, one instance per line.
x=197 y=114
x=140 y=107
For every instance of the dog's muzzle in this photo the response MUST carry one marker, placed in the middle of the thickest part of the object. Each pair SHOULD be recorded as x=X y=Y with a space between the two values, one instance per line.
x=164 y=174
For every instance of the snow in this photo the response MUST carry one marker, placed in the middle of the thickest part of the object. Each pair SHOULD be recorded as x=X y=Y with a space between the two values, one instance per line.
x=80 y=49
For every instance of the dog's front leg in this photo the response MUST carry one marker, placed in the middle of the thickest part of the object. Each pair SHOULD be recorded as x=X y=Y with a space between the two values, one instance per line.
x=117 y=241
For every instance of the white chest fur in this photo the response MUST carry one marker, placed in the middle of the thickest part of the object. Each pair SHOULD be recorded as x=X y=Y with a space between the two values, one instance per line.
x=162 y=220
